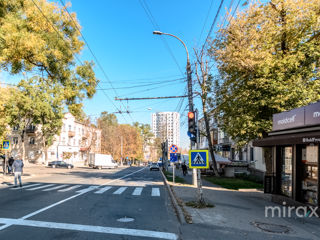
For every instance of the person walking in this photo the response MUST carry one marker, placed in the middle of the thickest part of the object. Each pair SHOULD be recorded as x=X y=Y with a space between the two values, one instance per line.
x=17 y=168
x=184 y=169
x=11 y=160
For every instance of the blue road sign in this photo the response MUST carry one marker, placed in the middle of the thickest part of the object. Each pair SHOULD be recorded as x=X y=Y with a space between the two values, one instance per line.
x=173 y=148
x=173 y=157
x=198 y=159
x=5 y=145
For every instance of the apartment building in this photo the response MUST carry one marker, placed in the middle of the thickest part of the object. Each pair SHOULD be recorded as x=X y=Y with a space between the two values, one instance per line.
x=166 y=125
x=75 y=142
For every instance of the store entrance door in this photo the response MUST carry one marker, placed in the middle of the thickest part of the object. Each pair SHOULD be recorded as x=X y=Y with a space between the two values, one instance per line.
x=309 y=174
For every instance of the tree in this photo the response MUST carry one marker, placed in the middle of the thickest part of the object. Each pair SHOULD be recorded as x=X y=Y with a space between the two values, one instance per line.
x=204 y=79
x=35 y=102
x=268 y=59
x=5 y=93
x=146 y=135
x=39 y=36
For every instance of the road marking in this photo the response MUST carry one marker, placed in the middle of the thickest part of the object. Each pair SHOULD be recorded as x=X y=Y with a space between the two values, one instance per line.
x=36 y=188
x=120 y=190
x=88 y=189
x=64 y=200
x=54 y=188
x=155 y=192
x=27 y=186
x=137 y=191
x=102 y=190
x=90 y=228
x=69 y=188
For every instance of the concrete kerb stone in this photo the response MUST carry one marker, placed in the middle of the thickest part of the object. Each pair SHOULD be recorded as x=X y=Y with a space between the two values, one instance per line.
x=174 y=200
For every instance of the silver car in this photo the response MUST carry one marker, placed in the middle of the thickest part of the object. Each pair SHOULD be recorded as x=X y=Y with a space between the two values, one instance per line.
x=154 y=166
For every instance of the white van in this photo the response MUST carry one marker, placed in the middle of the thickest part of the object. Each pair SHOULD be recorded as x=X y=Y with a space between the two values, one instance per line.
x=97 y=160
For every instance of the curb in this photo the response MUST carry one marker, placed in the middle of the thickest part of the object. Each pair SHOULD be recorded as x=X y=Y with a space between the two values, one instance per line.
x=174 y=201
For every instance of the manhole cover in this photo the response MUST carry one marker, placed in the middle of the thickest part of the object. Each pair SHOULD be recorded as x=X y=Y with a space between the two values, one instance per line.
x=273 y=228
x=125 y=219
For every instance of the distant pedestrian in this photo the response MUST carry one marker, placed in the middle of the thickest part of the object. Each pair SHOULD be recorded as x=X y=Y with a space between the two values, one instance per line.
x=11 y=160
x=18 y=170
x=184 y=168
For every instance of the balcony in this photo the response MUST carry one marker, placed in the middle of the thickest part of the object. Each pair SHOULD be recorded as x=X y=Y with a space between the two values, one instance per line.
x=71 y=133
x=31 y=131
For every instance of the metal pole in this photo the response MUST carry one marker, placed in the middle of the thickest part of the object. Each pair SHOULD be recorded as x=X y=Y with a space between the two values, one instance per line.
x=199 y=182
x=173 y=175
x=121 y=149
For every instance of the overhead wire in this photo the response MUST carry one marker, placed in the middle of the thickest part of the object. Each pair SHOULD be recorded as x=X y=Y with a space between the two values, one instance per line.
x=206 y=19
x=94 y=56
x=59 y=34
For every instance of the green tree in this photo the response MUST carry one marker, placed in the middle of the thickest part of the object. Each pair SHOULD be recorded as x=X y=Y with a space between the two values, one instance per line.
x=268 y=59
x=38 y=35
x=35 y=102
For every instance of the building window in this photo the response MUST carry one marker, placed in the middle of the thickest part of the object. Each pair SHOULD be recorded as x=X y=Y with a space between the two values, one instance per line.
x=31 y=141
x=52 y=153
x=251 y=154
x=69 y=127
x=15 y=128
x=15 y=140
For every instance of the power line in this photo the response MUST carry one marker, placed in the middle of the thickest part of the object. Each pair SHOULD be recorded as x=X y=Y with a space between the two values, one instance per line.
x=206 y=19
x=157 y=27
x=212 y=25
x=145 y=85
x=145 y=98
x=95 y=58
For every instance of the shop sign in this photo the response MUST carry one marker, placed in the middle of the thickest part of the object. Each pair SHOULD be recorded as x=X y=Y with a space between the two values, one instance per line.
x=312 y=112
x=311 y=140
x=290 y=119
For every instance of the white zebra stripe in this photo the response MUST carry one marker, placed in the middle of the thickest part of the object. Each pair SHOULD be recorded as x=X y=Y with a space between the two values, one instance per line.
x=36 y=188
x=155 y=192
x=102 y=190
x=69 y=188
x=54 y=188
x=120 y=190
x=137 y=191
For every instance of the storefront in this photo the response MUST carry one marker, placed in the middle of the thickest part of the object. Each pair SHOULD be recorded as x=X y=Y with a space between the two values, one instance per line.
x=293 y=147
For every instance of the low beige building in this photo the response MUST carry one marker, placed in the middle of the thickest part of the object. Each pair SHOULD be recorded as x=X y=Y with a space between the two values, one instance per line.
x=73 y=145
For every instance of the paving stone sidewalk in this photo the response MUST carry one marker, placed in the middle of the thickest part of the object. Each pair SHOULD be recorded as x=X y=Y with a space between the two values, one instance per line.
x=238 y=215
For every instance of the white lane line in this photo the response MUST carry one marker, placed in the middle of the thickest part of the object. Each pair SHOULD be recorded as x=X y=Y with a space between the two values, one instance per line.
x=90 y=228
x=102 y=190
x=120 y=190
x=27 y=186
x=88 y=189
x=64 y=200
x=137 y=191
x=36 y=188
x=155 y=192
x=54 y=188
x=69 y=188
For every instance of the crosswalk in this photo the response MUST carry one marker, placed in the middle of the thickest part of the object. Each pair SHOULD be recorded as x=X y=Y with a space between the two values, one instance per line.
x=99 y=190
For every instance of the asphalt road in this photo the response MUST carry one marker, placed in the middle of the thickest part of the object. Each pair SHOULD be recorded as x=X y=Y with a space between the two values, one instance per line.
x=81 y=203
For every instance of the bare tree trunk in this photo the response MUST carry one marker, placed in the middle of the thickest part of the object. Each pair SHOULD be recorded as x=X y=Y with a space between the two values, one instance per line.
x=208 y=133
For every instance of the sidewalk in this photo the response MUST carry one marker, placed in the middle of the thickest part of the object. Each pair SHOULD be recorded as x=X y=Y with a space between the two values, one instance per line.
x=238 y=215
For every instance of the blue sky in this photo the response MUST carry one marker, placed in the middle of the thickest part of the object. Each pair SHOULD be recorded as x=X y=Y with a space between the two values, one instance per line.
x=119 y=33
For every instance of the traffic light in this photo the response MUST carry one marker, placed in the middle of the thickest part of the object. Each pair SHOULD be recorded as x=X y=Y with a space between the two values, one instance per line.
x=192 y=123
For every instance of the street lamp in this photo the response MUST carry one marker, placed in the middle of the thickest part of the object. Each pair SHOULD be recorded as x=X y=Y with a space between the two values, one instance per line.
x=189 y=80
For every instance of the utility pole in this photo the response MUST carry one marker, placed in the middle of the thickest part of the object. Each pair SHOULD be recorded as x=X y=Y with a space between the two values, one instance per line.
x=199 y=182
x=121 y=150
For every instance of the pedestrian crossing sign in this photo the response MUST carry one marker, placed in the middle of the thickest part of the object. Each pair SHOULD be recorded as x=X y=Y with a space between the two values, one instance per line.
x=198 y=159
x=5 y=145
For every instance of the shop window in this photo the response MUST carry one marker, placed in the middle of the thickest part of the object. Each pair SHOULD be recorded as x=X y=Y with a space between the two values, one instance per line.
x=286 y=173
x=251 y=154
x=310 y=174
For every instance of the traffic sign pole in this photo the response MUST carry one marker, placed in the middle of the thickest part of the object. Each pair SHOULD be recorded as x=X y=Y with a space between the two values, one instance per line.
x=199 y=182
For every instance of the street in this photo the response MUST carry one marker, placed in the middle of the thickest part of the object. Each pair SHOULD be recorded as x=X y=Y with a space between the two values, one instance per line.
x=83 y=203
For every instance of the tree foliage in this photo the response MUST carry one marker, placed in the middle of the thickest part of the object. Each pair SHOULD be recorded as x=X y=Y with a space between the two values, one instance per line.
x=268 y=58
x=38 y=36
x=112 y=132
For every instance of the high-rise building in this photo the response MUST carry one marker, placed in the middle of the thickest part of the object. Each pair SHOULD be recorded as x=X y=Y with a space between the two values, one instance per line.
x=166 y=125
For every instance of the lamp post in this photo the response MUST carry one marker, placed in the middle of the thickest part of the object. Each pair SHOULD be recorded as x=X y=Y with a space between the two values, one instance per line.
x=190 y=97
x=189 y=80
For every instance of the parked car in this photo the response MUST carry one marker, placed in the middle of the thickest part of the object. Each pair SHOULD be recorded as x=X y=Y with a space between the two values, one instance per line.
x=154 y=166
x=60 y=164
